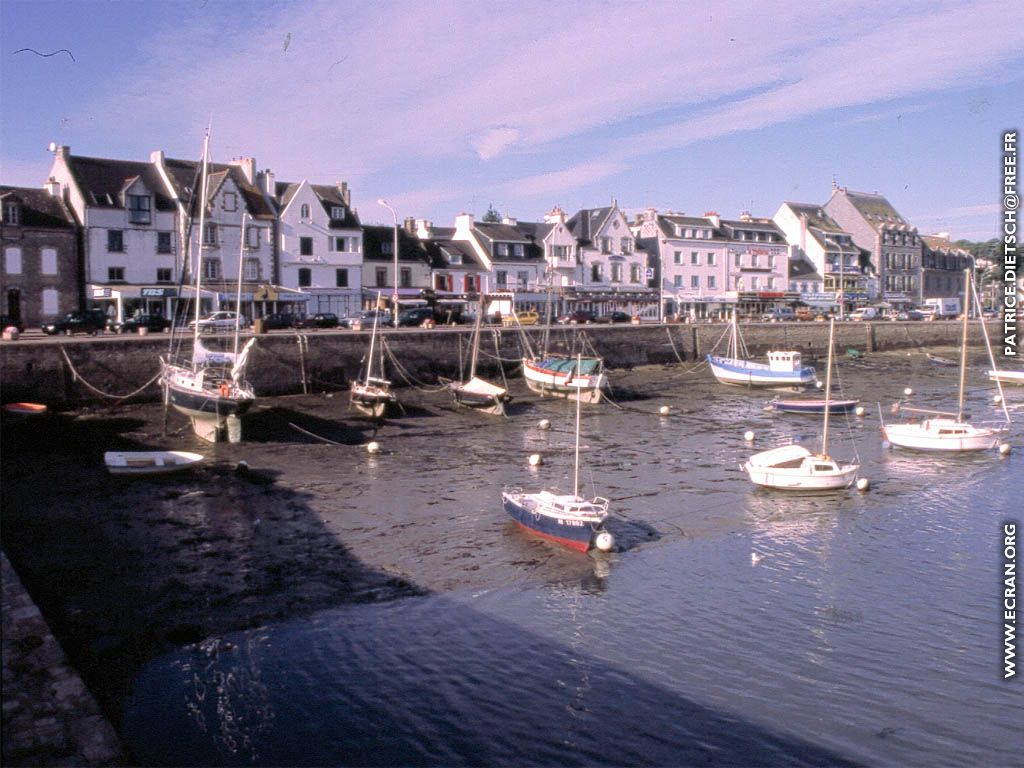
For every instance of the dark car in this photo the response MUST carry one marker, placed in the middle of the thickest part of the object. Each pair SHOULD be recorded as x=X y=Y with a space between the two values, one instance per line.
x=614 y=317
x=579 y=317
x=6 y=321
x=275 y=321
x=152 y=323
x=910 y=314
x=319 y=320
x=92 y=321
x=415 y=316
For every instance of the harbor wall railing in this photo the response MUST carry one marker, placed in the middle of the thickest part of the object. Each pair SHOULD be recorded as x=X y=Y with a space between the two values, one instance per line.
x=76 y=371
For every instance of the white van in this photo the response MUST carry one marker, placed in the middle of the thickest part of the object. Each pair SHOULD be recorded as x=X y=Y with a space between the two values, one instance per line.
x=864 y=313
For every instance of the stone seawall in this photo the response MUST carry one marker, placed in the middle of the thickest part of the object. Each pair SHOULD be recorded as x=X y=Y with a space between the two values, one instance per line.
x=83 y=371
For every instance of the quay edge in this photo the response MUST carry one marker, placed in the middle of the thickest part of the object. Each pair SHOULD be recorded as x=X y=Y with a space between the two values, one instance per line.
x=65 y=373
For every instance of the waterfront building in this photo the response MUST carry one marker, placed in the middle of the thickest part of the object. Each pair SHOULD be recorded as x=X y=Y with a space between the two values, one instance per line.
x=942 y=267
x=757 y=262
x=320 y=246
x=40 y=271
x=893 y=243
x=613 y=270
x=456 y=271
x=415 y=266
x=815 y=236
x=807 y=282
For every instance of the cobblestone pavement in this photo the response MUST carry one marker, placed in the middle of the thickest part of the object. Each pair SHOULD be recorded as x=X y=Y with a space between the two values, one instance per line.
x=49 y=716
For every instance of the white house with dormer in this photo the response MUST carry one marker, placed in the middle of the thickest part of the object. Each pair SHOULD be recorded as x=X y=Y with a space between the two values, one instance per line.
x=320 y=246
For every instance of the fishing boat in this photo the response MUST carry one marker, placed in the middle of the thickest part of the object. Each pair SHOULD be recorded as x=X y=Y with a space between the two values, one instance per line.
x=812 y=406
x=948 y=431
x=210 y=386
x=25 y=409
x=783 y=369
x=794 y=467
x=569 y=519
x=372 y=395
x=1007 y=377
x=474 y=392
x=149 y=462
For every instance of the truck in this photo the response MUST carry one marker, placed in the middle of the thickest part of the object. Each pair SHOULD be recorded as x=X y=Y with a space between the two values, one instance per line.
x=947 y=306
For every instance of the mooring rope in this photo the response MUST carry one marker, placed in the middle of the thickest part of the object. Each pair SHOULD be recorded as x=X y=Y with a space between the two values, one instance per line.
x=79 y=378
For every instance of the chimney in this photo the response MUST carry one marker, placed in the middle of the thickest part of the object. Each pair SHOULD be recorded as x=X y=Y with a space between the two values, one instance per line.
x=509 y=220
x=745 y=216
x=463 y=225
x=63 y=152
x=556 y=216
x=156 y=157
x=713 y=217
x=409 y=225
x=269 y=183
x=424 y=229
x=346 y=193
x=248 y=166
x=52 y=187
x=803 y=231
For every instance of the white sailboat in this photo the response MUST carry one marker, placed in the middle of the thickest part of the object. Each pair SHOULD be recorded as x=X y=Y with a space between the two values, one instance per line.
x=476 y=393
x=569 y=519
x=793 y=467
x=944 y=430
x=783 y=369
x=211 y=386
x=372 y=394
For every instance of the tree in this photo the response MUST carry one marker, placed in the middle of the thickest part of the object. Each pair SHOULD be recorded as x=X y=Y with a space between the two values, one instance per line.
x=492 y=216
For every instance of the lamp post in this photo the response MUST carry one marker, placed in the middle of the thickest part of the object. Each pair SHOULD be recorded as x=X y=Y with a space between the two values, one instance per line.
x=394 y=296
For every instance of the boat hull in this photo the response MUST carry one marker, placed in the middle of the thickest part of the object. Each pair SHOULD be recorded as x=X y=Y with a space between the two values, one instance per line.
x=490 y=404
x=372 y=400
x=799 y=479
x=572 y=533
x=1007 y=377
x=556 y=376
x=816 y=407
x=149 y=462
x=743 y=373
x=942 y=435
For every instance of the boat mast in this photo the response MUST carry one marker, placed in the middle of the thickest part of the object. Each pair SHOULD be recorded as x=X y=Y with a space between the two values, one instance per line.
x=373 y=338
x=828 y=387
x=734 y=347
x=202 y=234
x=963 y=344
x=576 y=473
x=547 y=319
x=476 y=341
x=238 y=297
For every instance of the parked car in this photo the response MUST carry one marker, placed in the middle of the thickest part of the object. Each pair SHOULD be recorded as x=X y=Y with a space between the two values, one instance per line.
x=92 y=321
x=909 y=314
x=276 y=321
x=614 y=317
x=991 y=312
x=319 y=320
x=579 y=317
x=864 y=313
x=415 y=316
x=221 y=321
x=6 y=321
x=364 y=320
x=804 y=314
x=778 y=315
x=152 y=323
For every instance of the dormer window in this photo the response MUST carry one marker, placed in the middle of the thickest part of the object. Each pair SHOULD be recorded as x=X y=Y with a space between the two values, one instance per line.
x=519 y=250
x=455 y=258
x=139 y=209
x=12 y=213
x=304 y=211
x=229 y=202
x=501 y=250
x=337 y=212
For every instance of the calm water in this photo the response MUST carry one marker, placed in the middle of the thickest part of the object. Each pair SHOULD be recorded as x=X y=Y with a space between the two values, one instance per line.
x=867 y=631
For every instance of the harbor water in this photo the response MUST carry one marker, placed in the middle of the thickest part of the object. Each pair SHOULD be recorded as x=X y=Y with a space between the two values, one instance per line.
x=730 y=625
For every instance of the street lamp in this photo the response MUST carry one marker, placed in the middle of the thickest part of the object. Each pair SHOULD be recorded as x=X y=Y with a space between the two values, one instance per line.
x=394 y=297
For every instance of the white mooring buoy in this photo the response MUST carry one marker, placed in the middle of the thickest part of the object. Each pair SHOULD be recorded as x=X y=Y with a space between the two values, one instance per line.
x=544 y=424
x=997 y=399
x=536 y=460
x=373 y=447
x=1005 y=449
x=749 y=435
x=908 y=391
x=664 y=410
x=860 y=410
x=863 y=484
x=604 y=541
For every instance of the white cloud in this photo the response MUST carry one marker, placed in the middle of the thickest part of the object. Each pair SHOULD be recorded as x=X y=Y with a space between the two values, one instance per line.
x=493 y=141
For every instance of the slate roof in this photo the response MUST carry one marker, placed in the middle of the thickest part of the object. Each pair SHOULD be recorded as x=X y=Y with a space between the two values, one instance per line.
x=876 y=210
x=185 y=176
x=410 y=248
x=330 y=197
x=535 y=231
x=499 y=233
x=38 y=208
x=441 y=251
x=802 y=269
x=667 y=225
x=102 y=181
x=585 y=223
x=824 y=228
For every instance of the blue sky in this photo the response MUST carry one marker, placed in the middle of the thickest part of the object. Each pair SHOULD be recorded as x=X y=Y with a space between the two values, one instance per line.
x=444 y=107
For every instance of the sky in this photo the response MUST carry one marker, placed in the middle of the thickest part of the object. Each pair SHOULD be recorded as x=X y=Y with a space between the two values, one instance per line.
x=449 y=106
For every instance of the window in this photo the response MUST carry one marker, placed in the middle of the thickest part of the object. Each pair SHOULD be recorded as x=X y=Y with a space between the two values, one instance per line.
x=771 y=283
x=210 y=234
x=337 y=212
x=519 y=250
x=455 y=258
x=405 y=276
x=115 y=274
x=606 y=245
x=626 y=244
x=523 y=278
x=711 y=258
x=694 y=258
x=689 y=233
x=387 y=247
x=305 y=277
x=252 y=269
x=211 y=269
x=138 y=209
x=501 y=278
x=699 y=234
x=164 y=242
x=753 y=259
x=229 y=202
x=635 y=275
x=115 y=240
x=595 y=273
x=616 y=273
x=381 y=277
x=739 y=260
x=753 y=283
x=305 y=246
x=561 y=252
x=677 y=281
x=50 y=305
x=48 y=261
x=252 y=238
x=711 y=281
x=695 y=281
x=12 y=213
x=341 y=278
x=501 y=250
x=163 y=275
x=677 y=257
x=304 y=211
x=340 y=244
x=771 y=261
x=12 y=261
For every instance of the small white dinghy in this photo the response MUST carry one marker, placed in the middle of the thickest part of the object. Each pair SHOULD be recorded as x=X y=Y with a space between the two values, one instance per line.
x=149 y=462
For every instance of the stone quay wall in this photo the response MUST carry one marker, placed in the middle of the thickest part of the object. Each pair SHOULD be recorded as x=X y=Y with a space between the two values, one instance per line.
x=77 y=371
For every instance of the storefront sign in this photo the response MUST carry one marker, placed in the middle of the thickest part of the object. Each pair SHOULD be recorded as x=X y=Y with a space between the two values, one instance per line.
x=158 y=293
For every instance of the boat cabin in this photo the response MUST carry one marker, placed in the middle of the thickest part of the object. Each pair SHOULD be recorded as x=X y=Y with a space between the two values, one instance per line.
x=788 y=361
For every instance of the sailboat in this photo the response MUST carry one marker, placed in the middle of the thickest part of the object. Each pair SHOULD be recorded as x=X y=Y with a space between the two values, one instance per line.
x=579 y=377
x=372 y=394
x=475 y=392
x=945 y=430
x=211 y=386
x=793 y=467
x=569 y=519
x=784 y=368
